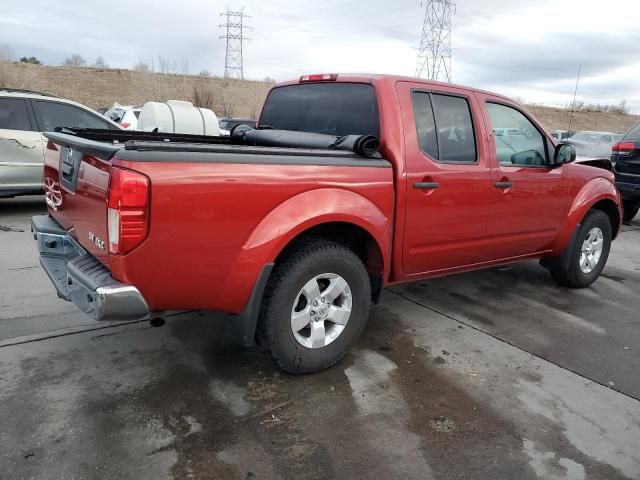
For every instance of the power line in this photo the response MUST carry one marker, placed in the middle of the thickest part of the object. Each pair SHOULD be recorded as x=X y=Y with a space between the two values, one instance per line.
x=235 y=37
x=434 y=53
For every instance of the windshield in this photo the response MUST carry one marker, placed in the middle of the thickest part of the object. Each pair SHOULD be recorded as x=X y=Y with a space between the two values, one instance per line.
x=329 y=108
x=586 y=137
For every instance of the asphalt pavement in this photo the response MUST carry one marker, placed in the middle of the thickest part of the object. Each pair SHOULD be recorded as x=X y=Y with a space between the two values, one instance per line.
x=498 y=374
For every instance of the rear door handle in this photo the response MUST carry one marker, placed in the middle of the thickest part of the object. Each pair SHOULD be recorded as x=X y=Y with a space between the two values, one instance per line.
x=503 y=184
x=426 y=185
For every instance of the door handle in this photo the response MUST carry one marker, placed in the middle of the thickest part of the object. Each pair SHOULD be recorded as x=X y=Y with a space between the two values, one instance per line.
x=426 y=185
x=503 y=184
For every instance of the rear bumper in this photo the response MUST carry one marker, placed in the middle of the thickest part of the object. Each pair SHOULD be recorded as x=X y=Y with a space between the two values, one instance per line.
x=80 y=278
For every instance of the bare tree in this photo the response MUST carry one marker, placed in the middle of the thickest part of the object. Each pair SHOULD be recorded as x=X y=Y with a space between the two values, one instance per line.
x=255 y=101
x=228 y=105
x=204 y=73
x=203 y=97
x=622 y=107
x=100 y=63
x=75 y=60
x=166 y=65
x=184 y=65
x=142 y=67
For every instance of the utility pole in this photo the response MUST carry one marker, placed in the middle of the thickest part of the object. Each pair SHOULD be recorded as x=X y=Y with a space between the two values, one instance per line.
x=434 y=53
x=235 y=30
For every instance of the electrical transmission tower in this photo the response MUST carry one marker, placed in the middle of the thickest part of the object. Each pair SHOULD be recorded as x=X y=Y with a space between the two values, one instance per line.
x=434 y=54
x=235 y=37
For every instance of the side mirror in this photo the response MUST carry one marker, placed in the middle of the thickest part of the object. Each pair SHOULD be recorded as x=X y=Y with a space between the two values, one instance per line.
x=564 y=153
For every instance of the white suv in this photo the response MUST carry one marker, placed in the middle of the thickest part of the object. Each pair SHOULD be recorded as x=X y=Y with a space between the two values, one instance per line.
x=125 y=115
x=24 y=114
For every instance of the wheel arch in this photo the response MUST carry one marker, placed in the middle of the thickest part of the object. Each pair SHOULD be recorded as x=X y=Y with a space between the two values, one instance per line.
x=609 y=207
x=355 y=238
x=330 y=212
x=598 y=194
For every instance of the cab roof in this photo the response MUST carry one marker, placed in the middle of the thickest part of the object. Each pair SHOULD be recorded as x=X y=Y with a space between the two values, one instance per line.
x=381 y=77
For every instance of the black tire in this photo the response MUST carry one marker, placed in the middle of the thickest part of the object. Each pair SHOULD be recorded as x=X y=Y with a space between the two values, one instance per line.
x=308 y=259
x=630 y=210
x=572 y=275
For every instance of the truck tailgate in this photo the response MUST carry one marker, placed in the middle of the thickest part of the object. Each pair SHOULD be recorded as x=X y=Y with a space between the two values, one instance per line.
x=76 y=180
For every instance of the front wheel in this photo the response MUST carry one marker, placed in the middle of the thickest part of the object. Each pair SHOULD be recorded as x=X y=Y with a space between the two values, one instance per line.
x=315 y=307
x=589 y=252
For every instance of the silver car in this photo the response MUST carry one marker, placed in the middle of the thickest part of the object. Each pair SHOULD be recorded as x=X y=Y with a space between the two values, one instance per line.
x=24 y=115
x=593 y=144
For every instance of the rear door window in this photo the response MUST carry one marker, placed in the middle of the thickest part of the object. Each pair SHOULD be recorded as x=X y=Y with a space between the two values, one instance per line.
x=634 y=133
x=56 y=114
x=444 y=127
x=329 y=108
x=425 y=124
x=13 y=114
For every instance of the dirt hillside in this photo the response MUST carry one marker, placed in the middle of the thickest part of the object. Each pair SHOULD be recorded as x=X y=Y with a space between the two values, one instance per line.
x=101 y=87
x=558 y=119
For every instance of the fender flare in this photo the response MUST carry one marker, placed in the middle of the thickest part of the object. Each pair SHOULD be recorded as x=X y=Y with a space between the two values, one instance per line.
x=293 y=217
x=591 y=193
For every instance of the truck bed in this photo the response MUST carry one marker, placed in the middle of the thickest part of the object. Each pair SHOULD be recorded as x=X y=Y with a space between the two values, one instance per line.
x=212 y=204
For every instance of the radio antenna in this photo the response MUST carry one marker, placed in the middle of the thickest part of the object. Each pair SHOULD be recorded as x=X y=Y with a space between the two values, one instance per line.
x=573 y=105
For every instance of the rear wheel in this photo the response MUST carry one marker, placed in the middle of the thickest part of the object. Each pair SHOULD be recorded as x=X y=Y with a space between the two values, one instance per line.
x=589 y=252
x=630 y=210
x=315 y=307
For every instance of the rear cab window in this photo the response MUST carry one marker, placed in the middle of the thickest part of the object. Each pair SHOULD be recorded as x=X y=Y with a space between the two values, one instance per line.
x=445 y=127
x=336 y=108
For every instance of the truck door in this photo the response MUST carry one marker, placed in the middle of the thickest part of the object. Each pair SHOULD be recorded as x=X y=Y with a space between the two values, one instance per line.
x=448 y=178
x=530 y=198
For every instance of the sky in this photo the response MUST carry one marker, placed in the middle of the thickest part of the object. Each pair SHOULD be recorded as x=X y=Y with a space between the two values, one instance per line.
x=529 y=49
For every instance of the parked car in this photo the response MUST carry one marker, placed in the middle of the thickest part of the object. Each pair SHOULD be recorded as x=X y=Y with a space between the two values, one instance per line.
x=298 y=241
x=561 y=135
x=24 y=114
x=625 y=158
x=593 y=144
x=125 y=115
x=227 y=124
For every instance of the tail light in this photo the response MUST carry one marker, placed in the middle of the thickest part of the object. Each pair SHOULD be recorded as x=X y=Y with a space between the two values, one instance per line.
x=125 y=124
x=128 y=210
x=624 y=148
x=319 y=77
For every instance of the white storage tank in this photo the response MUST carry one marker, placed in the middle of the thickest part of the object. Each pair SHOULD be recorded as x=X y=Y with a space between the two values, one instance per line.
x=178 y=116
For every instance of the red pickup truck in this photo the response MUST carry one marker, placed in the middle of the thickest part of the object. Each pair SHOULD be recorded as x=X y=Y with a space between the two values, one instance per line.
x=296 y=235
